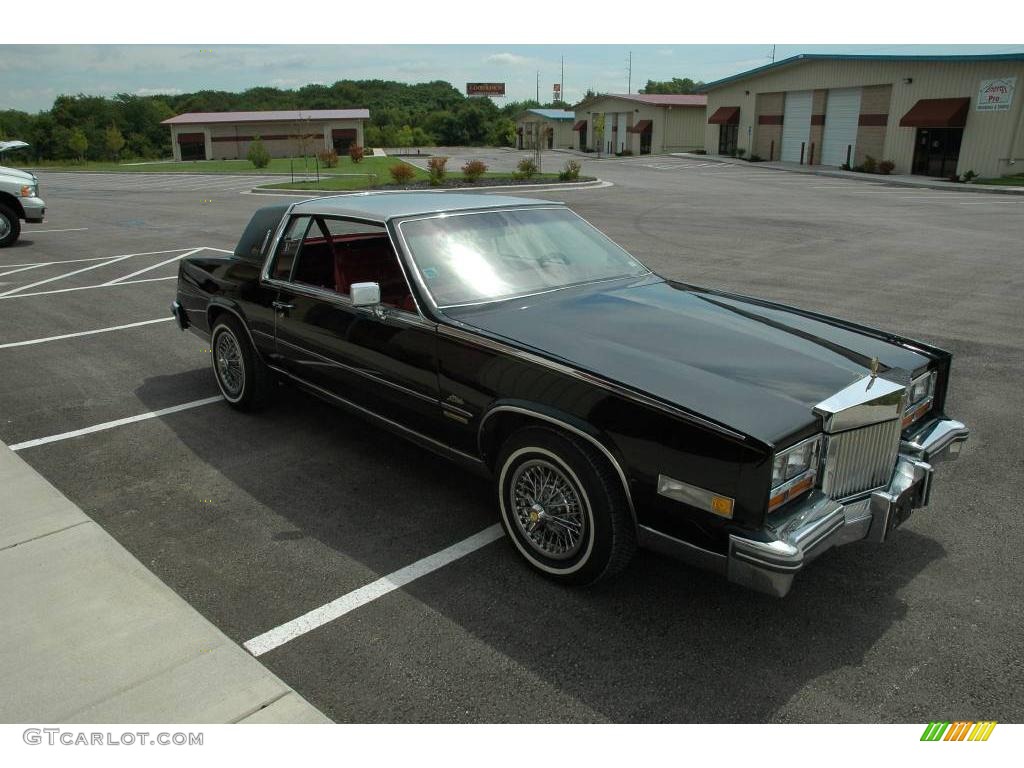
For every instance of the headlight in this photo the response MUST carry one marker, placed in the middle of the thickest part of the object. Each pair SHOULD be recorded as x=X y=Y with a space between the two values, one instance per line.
x=920 y=395
x=29 y=190
x=794 y=471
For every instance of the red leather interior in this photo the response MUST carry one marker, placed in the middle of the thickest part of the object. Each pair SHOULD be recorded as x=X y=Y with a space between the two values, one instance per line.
x=336 y=264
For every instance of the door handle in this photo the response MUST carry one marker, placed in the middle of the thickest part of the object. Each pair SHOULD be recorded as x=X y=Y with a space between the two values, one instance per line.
x=282 y=306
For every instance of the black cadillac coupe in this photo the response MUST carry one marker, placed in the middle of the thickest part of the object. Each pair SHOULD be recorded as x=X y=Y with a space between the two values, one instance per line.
x=614 y=408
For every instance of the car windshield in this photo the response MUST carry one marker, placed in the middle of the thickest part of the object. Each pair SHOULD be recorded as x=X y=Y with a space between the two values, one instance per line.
x=493 y=255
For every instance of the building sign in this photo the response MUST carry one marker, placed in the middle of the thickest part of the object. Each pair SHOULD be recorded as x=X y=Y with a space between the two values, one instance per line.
x=557 y=91
x=485 y=89
x=996 y=95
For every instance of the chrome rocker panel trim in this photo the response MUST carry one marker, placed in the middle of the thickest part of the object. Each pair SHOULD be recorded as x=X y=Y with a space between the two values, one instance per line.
x=769 y=562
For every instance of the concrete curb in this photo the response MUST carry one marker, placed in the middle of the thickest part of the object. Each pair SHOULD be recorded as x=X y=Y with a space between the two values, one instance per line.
x=863 y=177
x=309 y=193
x=92 y=636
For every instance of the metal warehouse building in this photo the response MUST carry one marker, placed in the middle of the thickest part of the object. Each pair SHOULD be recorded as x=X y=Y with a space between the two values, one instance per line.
x=532 y=125
x=226 y=135
x=930 y=115
x=641 y=123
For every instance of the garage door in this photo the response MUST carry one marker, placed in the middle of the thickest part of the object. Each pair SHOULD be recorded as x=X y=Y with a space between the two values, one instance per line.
x=842 y=113
x=796 y=125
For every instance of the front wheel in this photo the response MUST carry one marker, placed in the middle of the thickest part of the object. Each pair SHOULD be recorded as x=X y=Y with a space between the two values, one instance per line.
x=10 y=226
x=243 y=378
x=563 y=506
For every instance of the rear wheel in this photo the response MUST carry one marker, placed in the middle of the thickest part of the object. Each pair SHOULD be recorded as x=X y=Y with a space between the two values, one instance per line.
x=243 y=378
x=563 y=506
x=10 y=226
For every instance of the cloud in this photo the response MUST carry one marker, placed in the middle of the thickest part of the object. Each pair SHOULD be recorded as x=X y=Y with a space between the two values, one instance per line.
x=507 y=59
x=157 y=92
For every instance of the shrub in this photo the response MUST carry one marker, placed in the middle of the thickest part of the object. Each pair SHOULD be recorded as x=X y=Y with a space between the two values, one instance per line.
x=329 y=158
x=756 y=158
x=571 y=171
x=526 y=169
x=844 y=167
x=473 y=170
x=740 y=152
x=970 y=176
x=885 y=167
x=437 y=167
x=355 y=153
x=402 y=173
x=699 y=152
x=257 y=154
x=870 y=164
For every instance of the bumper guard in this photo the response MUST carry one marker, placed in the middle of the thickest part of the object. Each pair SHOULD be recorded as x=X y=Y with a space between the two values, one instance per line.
x=769 y=564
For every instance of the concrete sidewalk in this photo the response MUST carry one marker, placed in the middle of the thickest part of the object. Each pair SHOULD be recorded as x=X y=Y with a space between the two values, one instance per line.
x=898 y=180
x=91 y=636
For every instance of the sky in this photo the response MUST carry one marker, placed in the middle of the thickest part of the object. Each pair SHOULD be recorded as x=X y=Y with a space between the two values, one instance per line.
x=32 y=76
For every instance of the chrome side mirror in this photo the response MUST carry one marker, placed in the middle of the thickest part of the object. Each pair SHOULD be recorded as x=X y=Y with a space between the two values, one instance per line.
x=365 y=294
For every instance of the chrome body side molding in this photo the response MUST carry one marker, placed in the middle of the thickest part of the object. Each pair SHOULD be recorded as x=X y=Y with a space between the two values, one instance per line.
x=418 y=437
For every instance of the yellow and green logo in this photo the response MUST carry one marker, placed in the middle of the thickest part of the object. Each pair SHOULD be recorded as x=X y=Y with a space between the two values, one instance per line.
x=961 y=730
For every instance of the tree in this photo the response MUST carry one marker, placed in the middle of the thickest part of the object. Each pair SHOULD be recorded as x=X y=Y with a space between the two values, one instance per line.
x=115 y=141
x=258 y=154
x=675 y=85
x=78 y=143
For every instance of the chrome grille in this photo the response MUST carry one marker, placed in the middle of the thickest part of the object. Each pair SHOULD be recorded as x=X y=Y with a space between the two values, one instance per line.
x=860 y=460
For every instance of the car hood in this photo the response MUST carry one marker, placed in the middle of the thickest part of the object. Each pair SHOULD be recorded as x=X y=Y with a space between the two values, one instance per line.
x=756 y=367
x=14 y=173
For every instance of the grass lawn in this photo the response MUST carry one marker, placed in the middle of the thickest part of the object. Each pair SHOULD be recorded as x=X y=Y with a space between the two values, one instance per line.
x=1005 y=181
x=378 y=165
x=342 y=183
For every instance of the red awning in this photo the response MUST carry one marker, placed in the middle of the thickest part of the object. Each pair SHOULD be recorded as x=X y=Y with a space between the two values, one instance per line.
x=640 y=127
x=725 y=116
x=937 y=113
x=579 y=125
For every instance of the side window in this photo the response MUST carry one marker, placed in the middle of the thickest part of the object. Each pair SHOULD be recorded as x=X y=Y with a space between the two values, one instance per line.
x=363 y=254
x=288 y=250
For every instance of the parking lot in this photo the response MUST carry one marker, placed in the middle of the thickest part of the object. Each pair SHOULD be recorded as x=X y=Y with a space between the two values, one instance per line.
x=259 y=519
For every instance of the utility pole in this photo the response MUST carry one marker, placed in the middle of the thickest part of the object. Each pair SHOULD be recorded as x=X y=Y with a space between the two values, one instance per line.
x=538 y=86
x=629 y=75
x=773 y=54
x=561 y=82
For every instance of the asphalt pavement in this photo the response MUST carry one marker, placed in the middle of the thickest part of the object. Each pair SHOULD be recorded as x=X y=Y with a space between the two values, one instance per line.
x=257 y=520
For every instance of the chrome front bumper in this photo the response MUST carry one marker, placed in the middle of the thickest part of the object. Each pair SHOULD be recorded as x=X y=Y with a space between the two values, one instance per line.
x=768 y=564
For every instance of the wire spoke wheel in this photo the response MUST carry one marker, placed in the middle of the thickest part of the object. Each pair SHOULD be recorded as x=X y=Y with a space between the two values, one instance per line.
x=228 y=361
x=548 y=509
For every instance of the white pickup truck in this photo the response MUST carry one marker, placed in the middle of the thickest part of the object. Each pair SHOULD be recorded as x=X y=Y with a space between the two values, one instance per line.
x=19 y=198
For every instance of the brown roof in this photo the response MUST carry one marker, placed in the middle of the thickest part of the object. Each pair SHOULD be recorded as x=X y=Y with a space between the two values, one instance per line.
x=655 y=99
x=193 y=118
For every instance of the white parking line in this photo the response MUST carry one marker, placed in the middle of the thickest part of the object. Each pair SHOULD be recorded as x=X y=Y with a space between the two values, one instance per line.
x=83 y=333
x=317 y=617
x=85 y=288
x=91 y=258
x=41 y=231
x=154 y=266
x=111 y=424
x=66 y=274
x=21 y=269
x=996 y=202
